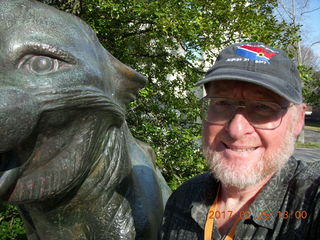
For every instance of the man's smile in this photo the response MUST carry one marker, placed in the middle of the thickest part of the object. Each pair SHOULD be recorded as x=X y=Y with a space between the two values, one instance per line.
x=239 y=148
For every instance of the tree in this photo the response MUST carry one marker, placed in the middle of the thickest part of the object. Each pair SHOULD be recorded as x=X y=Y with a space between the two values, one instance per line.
x=293 y=12
x=11 y=226
x=311 y=82
x=308 y=57
x=165 y=40
x=162 y=38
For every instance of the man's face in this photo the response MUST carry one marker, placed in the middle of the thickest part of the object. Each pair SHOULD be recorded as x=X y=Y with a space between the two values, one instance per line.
x=240 y=155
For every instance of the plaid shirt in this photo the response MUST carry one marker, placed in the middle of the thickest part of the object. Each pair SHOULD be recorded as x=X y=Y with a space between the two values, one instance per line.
x=286 y=208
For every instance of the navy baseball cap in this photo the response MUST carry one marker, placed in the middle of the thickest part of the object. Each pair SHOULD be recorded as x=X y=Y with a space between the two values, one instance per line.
x=258 y=64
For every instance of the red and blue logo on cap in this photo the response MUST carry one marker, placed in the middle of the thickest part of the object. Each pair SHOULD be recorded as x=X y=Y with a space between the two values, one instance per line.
x=255 y=53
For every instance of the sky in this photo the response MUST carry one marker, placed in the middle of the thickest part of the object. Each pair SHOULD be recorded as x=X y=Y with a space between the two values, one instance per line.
x=311 y=28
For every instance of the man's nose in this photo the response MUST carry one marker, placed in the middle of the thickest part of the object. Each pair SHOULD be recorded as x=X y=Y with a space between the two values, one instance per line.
x=239 y=125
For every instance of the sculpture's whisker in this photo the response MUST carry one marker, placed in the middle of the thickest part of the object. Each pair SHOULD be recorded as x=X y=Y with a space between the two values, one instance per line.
x=79 y=98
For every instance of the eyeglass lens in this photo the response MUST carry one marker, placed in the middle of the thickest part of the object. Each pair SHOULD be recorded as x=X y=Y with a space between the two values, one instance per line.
x=260 y=114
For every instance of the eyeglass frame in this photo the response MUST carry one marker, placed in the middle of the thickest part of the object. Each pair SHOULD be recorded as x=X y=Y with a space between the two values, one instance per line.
x=243 y=105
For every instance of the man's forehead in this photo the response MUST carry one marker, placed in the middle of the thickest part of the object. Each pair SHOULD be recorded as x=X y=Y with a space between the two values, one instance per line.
x=227 y=88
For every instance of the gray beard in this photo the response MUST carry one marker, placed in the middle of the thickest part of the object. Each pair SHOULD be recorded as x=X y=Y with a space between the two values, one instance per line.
x=243 y=177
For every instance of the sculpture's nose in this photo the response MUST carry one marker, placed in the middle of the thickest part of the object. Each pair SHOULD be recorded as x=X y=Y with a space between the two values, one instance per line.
x=18 y=116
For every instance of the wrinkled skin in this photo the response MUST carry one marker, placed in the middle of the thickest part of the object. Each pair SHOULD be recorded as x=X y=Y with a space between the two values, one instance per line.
x=67 y=158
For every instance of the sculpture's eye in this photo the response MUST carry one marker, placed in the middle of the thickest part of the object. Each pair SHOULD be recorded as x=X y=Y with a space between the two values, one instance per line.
x=41 y=64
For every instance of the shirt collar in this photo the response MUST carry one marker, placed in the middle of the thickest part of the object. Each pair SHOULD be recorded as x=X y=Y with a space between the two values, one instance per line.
x=271 y=198
x=203 y=199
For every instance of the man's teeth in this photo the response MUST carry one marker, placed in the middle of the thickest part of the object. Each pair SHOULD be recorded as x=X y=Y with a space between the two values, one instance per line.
x=243 y=149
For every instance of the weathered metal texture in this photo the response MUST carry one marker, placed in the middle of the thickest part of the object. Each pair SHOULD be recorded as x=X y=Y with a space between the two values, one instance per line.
x=67 y=158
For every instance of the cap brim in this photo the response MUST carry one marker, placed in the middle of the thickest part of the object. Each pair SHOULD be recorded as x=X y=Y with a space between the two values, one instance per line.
x=265 y=80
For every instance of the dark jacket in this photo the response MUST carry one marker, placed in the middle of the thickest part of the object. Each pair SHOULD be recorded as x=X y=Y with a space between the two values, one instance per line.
x=287 y=207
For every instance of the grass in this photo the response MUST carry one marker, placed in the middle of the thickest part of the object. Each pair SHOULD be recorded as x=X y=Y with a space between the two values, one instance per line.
x=308 y=145
x=315 y=126
x=312 y=125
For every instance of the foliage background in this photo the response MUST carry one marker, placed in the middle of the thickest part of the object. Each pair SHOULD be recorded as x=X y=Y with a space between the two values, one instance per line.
x=171 y=42
x=11 y=226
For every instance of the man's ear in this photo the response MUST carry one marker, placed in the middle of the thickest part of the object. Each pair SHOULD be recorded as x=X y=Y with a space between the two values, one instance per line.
x=301 y=110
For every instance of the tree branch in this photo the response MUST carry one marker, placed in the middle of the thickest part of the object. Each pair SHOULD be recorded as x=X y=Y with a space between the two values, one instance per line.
x=287 y=10
x=313 y=10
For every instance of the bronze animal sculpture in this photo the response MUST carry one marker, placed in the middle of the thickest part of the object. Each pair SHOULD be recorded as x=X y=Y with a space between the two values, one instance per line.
x=67 y=158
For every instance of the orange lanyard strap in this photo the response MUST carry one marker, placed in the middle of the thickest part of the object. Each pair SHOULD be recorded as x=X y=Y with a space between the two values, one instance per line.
x=232 y=231
x=208 y=229
x=209 y=225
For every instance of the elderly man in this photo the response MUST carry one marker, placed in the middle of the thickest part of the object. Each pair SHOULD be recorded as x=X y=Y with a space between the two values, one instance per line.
x=252 y=114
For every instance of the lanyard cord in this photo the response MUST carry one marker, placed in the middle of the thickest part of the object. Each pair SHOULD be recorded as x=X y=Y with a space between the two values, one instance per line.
x=209 y=225
x=210 y=219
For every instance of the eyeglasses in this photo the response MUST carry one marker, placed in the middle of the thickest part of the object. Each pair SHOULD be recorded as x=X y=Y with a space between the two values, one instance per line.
x=260 y=114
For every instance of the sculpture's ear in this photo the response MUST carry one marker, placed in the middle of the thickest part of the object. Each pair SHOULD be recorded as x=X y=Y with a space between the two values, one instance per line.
x=127 y=81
